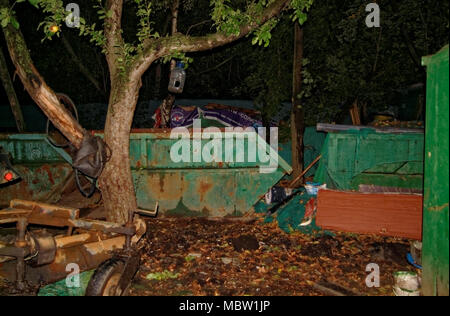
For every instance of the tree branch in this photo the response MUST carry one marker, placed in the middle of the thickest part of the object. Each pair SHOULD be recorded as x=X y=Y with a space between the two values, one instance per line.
x=113 y=34
x=44 y=97
x=158 y=48
x=175 y=9
x=197 y=24
x=9 y=89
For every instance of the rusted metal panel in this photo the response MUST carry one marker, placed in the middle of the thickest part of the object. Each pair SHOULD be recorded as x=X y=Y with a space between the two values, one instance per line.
x=39 y=183
x=43 y=168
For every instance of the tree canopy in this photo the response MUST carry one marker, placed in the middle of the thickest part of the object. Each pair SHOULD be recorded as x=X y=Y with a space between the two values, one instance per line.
x=340 y=53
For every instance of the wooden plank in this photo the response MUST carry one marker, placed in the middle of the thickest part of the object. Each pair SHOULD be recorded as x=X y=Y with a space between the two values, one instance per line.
x=392 y=214
x=39 y=208
x=371 y=188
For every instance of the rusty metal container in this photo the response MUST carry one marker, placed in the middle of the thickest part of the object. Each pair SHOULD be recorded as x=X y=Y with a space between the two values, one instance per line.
x=43 y=168
x=180 y=188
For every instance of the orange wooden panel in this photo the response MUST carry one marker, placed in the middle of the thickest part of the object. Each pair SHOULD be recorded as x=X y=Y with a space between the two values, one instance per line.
x=387 y=214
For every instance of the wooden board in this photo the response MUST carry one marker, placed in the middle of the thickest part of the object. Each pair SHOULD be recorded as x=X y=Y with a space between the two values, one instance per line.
x=388 y=214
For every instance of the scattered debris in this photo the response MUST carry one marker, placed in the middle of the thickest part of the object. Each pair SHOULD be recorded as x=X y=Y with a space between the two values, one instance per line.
x=407 y=283
x=392 y=252
x=161 y=276
x=245 y=242
x=193 y=256
x=326 y=290
x=234 y=261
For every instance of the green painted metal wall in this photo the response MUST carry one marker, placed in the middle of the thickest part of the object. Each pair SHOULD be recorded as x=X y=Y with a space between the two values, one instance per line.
x=43 y=170
x=198 y=188
x=183 y=188
x=435 y=253
x=353 y=157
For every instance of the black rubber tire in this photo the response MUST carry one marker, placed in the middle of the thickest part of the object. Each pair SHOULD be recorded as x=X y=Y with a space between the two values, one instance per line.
x=104 y=273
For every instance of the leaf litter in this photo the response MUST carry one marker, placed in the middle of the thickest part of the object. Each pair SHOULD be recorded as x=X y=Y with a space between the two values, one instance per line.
x=196 y=256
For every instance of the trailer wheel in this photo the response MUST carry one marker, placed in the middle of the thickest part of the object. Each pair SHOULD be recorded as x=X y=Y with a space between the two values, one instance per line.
x=105 y=281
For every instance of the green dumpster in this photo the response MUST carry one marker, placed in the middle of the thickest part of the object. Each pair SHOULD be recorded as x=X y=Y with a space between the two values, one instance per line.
x=199 y=188
x=435 y=250
x=354 y=157
x=180 y=188
x=43 y=168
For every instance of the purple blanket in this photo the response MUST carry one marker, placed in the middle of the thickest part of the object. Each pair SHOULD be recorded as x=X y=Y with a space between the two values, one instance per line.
x=228 y=117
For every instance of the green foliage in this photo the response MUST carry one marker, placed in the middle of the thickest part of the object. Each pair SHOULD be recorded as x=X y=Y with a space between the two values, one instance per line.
x=300 y=8
x=348 y=61
x=228 y=16
x=229 y=20
x=145 y=29
x=7 y=15
x=343 y=59
x=179 y=56
x=264 y=34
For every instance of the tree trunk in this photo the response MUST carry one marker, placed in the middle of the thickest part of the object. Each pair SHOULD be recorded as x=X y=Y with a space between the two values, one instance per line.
x=298 y=112
x=116 y=182
x=9 y=88
x=37 y=88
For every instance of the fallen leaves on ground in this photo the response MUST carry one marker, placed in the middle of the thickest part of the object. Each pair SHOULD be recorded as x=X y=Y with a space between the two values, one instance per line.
x=205 y=257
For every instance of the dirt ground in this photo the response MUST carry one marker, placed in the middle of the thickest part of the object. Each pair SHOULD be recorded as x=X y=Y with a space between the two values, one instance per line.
x=198 y=256
x=202 y=257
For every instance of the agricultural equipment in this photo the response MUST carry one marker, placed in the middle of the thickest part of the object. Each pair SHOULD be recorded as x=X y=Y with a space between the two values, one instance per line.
x=37 y=255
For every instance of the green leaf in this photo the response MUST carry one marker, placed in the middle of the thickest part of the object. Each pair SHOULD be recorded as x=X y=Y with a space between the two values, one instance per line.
x=5 y=21
x=15 y=23
x=34 y=3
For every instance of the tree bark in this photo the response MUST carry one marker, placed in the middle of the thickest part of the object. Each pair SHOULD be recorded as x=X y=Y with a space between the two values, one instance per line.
x=9 y=88
x=116 y=182
x=36 y=87
x=298 y=112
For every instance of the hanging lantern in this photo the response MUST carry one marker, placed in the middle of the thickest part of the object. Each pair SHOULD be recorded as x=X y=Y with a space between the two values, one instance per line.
x=177 y=78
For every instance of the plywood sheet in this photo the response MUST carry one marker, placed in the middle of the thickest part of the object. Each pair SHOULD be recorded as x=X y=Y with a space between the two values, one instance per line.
x=397 y=215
